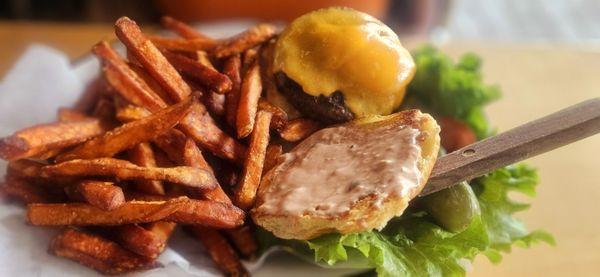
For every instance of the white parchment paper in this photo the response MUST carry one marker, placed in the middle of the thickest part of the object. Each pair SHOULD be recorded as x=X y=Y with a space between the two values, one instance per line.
x=40 y=82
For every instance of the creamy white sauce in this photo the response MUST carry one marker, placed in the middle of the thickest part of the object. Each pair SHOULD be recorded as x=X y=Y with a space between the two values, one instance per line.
x=329 y=172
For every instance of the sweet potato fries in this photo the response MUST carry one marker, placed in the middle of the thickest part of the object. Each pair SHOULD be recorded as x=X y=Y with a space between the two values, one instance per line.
x=144 y=150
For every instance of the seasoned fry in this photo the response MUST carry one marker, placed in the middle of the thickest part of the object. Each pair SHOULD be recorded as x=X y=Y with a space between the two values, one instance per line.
x=143 y=155
x=146 y=242
x=123 y=79
x=221 y=252
x=209 y=213
x=248 y=103
x=129 y=134
x=81 y=214
x=152 y=83
x=93 y=91
x=124 y=170
x=71 y=115
x=26 y=192
x=104 y=195
x=244 y=41
x=183 y=45
x=104 y=109
x=150 y=57
x=98 y=253
x=129 y=113
x=25 y=168
x=232 y=68
x=253 y=165
x=272 y=156
x=204 y=75
x=42 y=138
x=244 y=241
x=182 y=29
x=200 y=126
x=280 y=117
x=299 y=129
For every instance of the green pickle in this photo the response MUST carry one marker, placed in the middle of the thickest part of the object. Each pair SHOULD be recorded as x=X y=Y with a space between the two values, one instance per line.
x=453 y=208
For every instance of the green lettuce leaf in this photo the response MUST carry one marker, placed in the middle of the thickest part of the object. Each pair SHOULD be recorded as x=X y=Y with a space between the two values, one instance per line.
x=445 y=88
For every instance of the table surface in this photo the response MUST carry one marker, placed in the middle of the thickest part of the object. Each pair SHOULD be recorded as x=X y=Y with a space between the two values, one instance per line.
x=535 y=80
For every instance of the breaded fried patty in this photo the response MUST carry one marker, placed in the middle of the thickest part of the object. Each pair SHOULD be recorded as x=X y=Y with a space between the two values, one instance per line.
x=349 y=178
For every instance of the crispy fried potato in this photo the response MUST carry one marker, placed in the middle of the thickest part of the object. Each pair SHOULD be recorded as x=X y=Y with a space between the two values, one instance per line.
x=299 y=129
x=146 y=242
x=209 y=213
x=42 y=138
x=152 y=83
x=124 y=170
x=130 y=134
x=244 y=41
x=232 y=68
x=248 y=103
x=23 y=190
x=104 y=195
x=280 y=117
x=125 y=81
x=98 y=253
x=182 y=29
x=71 y=115
x=150 y=57
x=200 y=126
x=253 y=165
x=221 y=252
x=80 y=214
x=244 y=241
x=92 y=92
x=272 y=156
x=128 y=113
x=183 y=45
x=143 y=155
x=25 y=168
x=204 y=75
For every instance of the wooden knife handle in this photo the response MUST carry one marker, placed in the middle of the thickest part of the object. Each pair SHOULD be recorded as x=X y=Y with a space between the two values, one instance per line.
x=528 y=140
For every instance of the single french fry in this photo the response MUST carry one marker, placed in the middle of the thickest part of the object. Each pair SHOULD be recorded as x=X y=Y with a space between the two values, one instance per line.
x=23 y=190
x=183 y=45
x=143 y=155
x=104 y=195
x=209 y=213
x=253 y=166
x=248 y=103
x=98 y=253
x=71 y=115
x=25 y=168
x=42 y=138
x=204 y=75
x=104 y=109
x=272 y=156
x=221 y=252
x=125 y=81
x=92 y=92
x=152 y=83
x=182 y=29
x=232 y=68
x=299 y=129
x=146 y=242
x=200 y=126
x=244 y=41
x=124 y=170
x=128 y=113
x=150 y=57
x=280 y=117
x=129 y=134
x=244 y=241
x=81 y=214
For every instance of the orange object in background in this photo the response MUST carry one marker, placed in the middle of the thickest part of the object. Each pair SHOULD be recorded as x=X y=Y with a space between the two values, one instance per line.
x=199 y=10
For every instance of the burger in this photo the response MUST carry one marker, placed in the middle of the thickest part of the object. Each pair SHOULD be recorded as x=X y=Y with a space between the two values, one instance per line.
x=347 y=196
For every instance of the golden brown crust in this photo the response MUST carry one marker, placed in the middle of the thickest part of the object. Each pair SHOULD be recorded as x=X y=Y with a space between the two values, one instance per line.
x=364 y=215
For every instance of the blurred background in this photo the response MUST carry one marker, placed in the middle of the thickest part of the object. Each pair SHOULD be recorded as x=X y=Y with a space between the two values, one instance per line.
x=544 y=54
